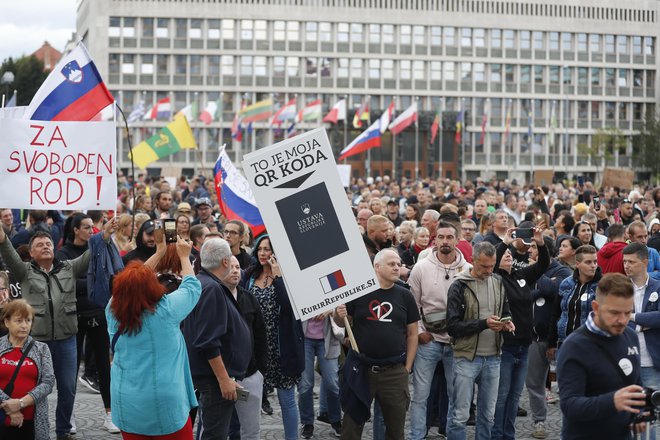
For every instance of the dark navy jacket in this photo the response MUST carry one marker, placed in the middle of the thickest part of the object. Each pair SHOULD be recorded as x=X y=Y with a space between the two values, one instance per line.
x=650 y=318
x=544 y=294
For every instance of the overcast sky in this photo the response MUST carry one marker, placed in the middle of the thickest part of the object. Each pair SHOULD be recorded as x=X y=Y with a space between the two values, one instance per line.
x=26 y=24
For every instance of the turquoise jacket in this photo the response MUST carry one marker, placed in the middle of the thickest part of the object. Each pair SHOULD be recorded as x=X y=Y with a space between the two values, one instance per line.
x=151 y=387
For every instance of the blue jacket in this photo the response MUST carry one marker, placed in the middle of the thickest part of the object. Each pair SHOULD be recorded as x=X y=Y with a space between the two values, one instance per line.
x=569 y=287
x=654 y=263
x=151 y=385
x=649 y=318
x=104 y=263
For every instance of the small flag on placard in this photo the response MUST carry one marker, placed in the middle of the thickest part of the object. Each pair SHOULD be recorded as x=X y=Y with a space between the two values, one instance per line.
x=333 y=281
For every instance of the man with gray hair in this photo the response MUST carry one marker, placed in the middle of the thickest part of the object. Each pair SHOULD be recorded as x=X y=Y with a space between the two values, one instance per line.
x=216 y=332
x=430 y=221
x=477 y=311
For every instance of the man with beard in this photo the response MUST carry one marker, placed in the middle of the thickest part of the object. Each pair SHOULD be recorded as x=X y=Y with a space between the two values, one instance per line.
x=164 y=203
x=375 y=239
x=429 y=283
x=234 y=232
x=393 y=213
x=145 y=243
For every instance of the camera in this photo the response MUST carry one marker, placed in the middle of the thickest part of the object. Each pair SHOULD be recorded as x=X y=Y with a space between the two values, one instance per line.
x=651 y=405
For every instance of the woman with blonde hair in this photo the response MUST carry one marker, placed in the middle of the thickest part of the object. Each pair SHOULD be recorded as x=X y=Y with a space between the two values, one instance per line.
x=485 y=226
x=122 y=237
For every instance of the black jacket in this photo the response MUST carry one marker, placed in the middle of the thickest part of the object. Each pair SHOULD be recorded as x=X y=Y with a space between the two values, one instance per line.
x=654 y=241
x=544 y=294
x=251 y=312
x=141 y=251
x=84 y=307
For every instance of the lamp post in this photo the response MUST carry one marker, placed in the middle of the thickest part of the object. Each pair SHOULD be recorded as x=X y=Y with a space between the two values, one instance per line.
x=7 y=80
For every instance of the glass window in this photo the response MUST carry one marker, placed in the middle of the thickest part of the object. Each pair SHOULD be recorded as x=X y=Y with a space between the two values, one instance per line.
x=227 y=64
x=279 y=30
x=405 y=36
x=419 y=35
x=623 y=111
x=129 y=27
x=148 y=27
x=114 y=29
x=637 y=111
x=342 y=32
x=374 y=69
x=568 y=75
x=525 y=39
x=582 y=42
x=553 y=40
x=466 y=37
x=246 y=30
x=649 y=45
x=195 y=30
x=595 y=110
x=374 y=33
x=622 y=43
x=260 y=30
x=325 y=31
x=479 y=72
x=326 y=67
x=292 y=66
x=638 y=78
x=246 y=65
x=583 y=110
x=419 y=70
x=610 y=110
x=525 y=74
x=147 y=66
x=357 y=33
x=637 y=45
x=650 y=78
x=405 y=67
x=566 y=41
x=163 y=64
x=450 y=36
x=180 y=64
x=496 y=73
x=128 y=64
x=554 y=74
x=311 y=31
x=213 y=31
x=279 y=66
x=509 y=39
x=293 y=31
x=595 y=76
x=228 y=29
x=582 y=76
x=436 y=70
x=539 y=44
x=449 y=71
x=260 y=66
x=387 y=69
x=181 y=28
x=113 y=62
x=610 y=44
x=388 y=34
x=436 y=36
x=195 y=64
x=496 y=38
x=594 y=43
x=342 y=68
x=610 y=78
x=509 y=73
x=496 y=107
x=623 y=78
x=479 y=38
x=213 y=65
x=356 y=68
x=162 y=28
x=538 y=74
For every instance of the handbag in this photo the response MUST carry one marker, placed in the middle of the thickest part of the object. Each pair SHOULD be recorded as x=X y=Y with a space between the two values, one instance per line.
x=435 y=322
x=10 y=385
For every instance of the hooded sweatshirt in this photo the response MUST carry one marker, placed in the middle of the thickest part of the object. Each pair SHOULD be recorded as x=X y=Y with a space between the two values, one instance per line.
x=610 y=257
x=141 y=251
x=429 y=283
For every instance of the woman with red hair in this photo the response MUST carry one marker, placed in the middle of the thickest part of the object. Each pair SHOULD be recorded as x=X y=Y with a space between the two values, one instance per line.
x=151 y=386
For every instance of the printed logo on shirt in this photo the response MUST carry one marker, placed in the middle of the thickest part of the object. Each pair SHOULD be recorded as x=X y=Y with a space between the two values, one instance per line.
x=380 y=311
x=632 y=351
x=15 y=363
x=522 y=283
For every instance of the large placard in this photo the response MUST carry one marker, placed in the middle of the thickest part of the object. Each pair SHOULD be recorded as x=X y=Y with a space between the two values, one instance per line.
x=313 y=230
x=58 y=165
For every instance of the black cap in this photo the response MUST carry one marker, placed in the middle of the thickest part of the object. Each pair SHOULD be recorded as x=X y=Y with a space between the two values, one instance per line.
x=149 y=227
x=392 y=202
x=203 y=201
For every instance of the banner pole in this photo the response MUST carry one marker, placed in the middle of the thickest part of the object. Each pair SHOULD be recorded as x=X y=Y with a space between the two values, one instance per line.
x=349 y=332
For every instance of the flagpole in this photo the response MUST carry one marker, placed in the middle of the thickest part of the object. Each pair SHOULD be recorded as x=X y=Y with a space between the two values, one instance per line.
x=220 y=110
x=270 y=126
x=393 y=146
x=485 y=133
x=417 y=141
x=442 y=105
x=531 y=140
x=463 y=134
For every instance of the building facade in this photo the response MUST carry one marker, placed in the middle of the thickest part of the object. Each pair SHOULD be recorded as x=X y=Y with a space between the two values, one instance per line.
x=535 y=81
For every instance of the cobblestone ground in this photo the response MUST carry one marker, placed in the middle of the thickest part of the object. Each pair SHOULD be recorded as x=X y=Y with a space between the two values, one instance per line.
x=89 y=420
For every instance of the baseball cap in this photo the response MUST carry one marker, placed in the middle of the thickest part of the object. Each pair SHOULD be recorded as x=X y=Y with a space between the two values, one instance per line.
x=392 y=202
x=149 y=226
x=184 y=208
x=202 y=201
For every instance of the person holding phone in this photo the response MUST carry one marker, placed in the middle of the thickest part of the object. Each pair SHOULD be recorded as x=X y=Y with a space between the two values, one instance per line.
x=513 y=367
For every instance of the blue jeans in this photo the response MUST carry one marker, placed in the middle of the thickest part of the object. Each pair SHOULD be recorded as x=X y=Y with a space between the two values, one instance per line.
x=428 y=356
x=513 y=370
x=214 y=413
x=290 y=418
x=485 y=372
x=64 y=353
x=315 y=348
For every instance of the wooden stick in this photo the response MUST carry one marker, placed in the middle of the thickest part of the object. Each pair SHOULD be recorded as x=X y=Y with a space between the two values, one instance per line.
x=351 y=338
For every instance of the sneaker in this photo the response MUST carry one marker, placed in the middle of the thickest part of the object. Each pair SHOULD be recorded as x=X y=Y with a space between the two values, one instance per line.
x=74 y=428
x=550 y=397
x=266 y=408
x=539 y=430
x=336 y=429
x=108 y=425
x=323 y=417
x=307 y=431
x=522 y=412
x=90 y=383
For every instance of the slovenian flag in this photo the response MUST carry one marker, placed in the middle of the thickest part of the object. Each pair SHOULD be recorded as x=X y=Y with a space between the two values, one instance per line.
x=73 y=91
x=235 y=196
x=368 y=139
x=333 y=281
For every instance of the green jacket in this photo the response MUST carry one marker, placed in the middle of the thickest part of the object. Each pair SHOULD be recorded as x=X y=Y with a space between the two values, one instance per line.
x=463 y=323
x=52 y=294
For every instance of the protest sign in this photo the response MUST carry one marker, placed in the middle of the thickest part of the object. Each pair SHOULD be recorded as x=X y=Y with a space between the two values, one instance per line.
x=618 y=177
x=312 y=227
x=58 y=165
x=345 y=174
x=543 y=177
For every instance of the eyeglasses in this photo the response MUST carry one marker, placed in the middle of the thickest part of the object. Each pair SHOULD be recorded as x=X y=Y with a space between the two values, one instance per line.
x=230 y=232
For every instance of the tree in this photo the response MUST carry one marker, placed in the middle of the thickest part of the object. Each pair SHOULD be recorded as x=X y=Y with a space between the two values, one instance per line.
x=28 y=76
x=603 y=145
x=646 y=146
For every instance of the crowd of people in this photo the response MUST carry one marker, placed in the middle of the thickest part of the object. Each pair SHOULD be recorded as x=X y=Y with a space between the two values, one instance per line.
x=486 y=288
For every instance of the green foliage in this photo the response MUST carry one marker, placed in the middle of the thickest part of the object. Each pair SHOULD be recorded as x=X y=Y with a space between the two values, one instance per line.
x=646 y=146
x=29 y=75
x=603 y=145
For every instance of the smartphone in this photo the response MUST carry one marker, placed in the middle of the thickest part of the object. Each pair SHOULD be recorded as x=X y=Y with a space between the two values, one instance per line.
x=596 y=200
x=580 y=180
x=242 y=394
x=505 y=319
x=170 y=230
x=158 y=231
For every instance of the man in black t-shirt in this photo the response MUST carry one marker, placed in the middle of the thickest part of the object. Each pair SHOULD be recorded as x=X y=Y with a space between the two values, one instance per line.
x=385 y=327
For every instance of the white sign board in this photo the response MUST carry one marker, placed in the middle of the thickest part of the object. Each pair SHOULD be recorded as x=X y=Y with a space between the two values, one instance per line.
x=58 y=165
x=344 y=174
x=314 y=233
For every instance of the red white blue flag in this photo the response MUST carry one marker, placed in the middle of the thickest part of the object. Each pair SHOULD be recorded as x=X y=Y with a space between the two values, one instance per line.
x=368 y=139
x=333 y=281
x=235 y=196
x=74 y=91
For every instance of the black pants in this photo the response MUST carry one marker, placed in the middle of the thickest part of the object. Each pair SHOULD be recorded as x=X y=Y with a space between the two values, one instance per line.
x=95 y=328
x=25 y=432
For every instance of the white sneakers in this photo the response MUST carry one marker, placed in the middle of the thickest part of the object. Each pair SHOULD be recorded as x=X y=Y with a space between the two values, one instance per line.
x=108 y=425
x=539 y=430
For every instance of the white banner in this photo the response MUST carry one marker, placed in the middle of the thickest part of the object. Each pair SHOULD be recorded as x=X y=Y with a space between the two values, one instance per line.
x=312 y=227
x=58 y=165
